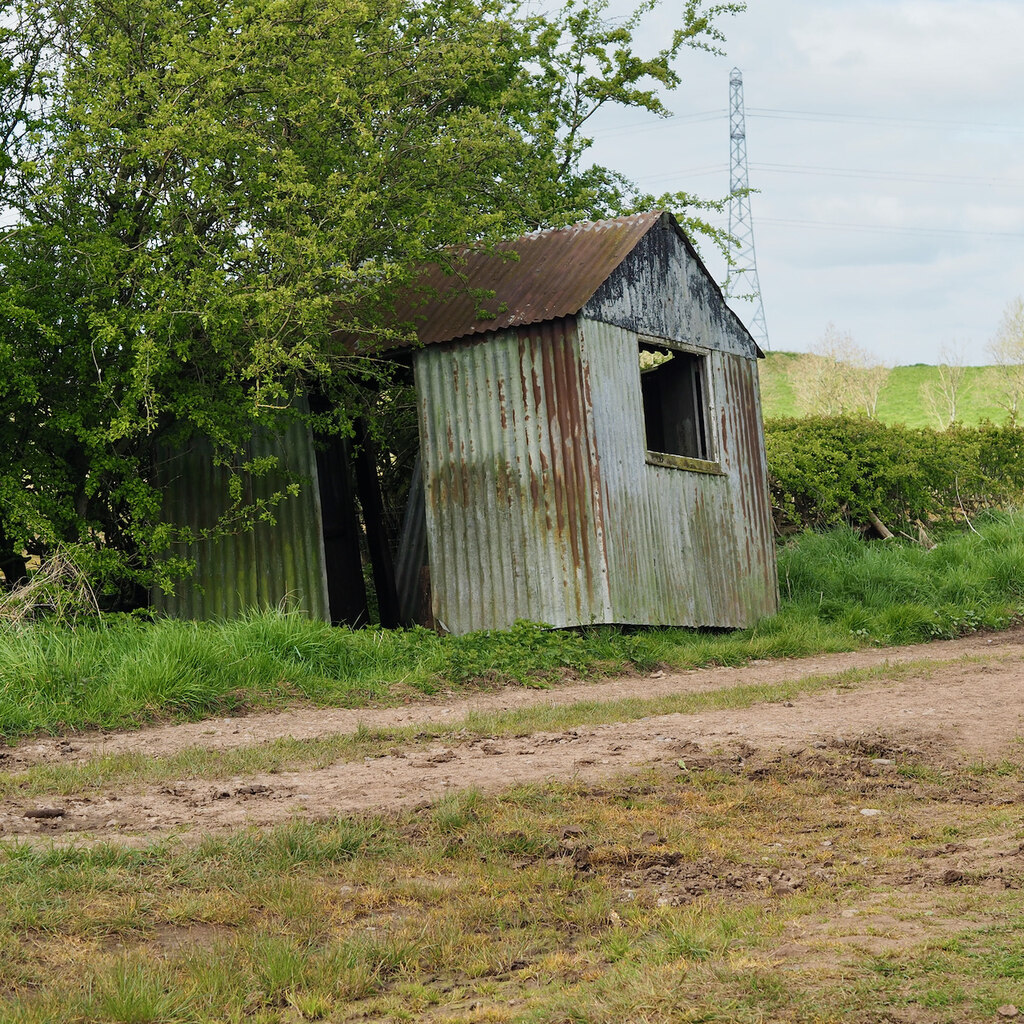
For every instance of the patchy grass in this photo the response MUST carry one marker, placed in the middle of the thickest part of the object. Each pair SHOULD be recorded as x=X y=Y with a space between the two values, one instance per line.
x=838 y=593
x=736 y=891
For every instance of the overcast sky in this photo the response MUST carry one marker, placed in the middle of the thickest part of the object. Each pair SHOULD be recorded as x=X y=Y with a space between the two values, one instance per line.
x=886 y=142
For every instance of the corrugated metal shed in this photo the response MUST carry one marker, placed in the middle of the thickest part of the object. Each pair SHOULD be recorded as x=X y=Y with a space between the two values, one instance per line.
x=543 y=502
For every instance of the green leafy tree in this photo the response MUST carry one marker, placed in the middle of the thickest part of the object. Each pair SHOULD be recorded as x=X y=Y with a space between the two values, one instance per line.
x=201 y=197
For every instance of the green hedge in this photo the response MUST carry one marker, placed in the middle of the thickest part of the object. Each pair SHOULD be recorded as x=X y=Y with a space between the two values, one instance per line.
x=824 y=471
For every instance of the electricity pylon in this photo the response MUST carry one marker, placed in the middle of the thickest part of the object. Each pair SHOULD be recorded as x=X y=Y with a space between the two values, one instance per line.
x=741 y=282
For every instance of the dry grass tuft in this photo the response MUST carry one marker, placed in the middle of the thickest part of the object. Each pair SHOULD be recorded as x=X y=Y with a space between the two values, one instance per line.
x=58 y=590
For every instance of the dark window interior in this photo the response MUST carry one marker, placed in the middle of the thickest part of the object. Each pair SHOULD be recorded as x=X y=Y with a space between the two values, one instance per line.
x=675 y=402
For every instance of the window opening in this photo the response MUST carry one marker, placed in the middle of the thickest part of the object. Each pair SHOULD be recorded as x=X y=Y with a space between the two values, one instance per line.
x=675 y=402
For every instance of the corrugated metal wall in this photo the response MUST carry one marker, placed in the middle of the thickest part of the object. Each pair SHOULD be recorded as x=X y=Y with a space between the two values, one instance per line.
x=541 y=504
x=683 y=548
x=513 y=492
x=256 y=568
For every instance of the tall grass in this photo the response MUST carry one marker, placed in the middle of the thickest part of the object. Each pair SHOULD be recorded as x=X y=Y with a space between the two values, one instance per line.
x=837 y=591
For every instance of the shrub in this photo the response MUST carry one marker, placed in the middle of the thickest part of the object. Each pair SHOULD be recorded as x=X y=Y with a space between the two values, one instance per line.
x=825 y=471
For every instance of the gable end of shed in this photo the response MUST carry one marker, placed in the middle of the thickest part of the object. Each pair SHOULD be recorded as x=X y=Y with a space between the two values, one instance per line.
x=662 y=289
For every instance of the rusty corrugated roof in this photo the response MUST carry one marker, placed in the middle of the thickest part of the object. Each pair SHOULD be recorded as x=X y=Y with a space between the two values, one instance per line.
x=556 y=272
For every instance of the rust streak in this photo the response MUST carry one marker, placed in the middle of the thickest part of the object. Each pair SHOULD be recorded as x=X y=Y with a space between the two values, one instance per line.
x=502 y=405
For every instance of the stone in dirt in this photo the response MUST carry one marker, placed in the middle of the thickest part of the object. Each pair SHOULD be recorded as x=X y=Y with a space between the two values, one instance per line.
x=442 y=758
x=45 y=812
x=1008 y=1010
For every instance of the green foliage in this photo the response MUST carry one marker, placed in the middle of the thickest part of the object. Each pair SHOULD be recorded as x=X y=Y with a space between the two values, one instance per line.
x=829 y=470
x=201 y=197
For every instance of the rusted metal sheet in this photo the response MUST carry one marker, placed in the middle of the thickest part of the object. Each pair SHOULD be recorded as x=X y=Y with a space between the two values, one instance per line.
x=513 y=491
x=683 y=547
x=555 y=273
x=742 y=417
x=273 y=564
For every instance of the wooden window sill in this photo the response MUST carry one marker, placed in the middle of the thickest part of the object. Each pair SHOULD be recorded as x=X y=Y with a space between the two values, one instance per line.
x=684 y=462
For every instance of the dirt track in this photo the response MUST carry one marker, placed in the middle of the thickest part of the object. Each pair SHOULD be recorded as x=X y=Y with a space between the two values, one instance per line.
x=968 y=701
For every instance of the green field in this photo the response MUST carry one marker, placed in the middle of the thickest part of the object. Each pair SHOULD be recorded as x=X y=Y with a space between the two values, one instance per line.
x=900 y=400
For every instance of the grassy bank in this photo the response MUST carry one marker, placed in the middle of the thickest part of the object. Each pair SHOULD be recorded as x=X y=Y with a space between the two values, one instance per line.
x=838 y=593
x=900 y=399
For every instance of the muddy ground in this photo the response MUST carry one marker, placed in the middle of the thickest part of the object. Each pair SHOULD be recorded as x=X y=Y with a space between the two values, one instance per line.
x=950 y=701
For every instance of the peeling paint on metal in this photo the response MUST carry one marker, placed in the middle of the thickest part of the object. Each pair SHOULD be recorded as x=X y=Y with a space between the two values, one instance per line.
x=661 y=288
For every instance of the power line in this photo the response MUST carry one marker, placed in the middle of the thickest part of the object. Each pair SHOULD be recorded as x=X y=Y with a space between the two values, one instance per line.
x=647 y=126
x=841 y=172
x=781 y=113
x=680 y=175
x=896 y=122
x=889 y=229
x=882 y=175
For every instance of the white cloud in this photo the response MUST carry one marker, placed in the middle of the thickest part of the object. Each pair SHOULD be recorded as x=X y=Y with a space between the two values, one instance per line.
x=900 y=52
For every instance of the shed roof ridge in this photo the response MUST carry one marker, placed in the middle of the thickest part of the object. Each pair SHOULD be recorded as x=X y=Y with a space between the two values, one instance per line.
x=603 y=224
x=558 y=271
x=504 y=244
